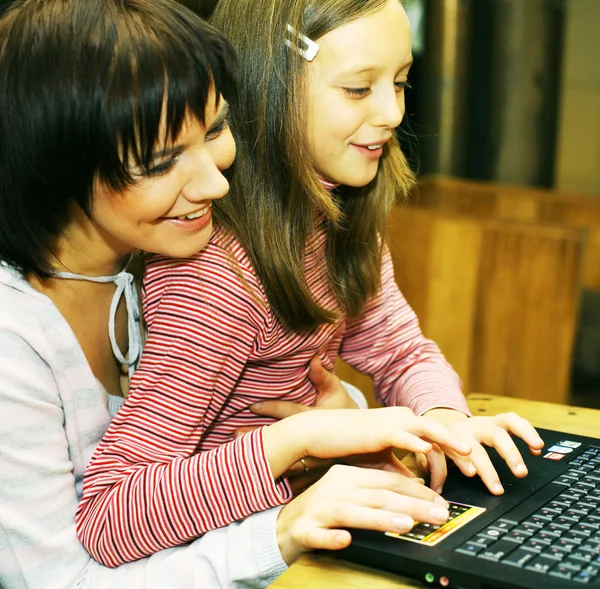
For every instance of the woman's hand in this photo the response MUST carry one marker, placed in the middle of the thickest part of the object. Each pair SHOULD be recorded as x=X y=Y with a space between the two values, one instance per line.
x=479 y=432
x=353 y=497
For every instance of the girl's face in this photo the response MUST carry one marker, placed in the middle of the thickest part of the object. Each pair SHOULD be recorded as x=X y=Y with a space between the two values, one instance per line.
x=168 y=211
x=356 y=94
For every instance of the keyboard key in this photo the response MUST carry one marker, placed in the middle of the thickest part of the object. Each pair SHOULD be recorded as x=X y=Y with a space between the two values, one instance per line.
x=554 y=552
x=555 y=529
x=535 y=545
x=492 y=533
x=518 y=558
x=586 y=575
x=566 y=544
x=581 y=556
x=468 y=548
x=540 y=564
x=546 y=537
x=518 y=536
x=497 y=551
x=532 y=528
x=482 y=540
x=561 y=572
x=503 y=524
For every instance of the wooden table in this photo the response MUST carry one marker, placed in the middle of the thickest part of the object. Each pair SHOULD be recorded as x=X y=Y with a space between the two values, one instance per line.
x=321 y=572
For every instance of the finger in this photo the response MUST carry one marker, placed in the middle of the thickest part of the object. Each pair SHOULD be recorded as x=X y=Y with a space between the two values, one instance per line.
x=392 y=464
x=520 y=427
x=438 y=469
x=324 y=539
x=436 y=433
x=417 y=509
x=321 y=378
x=380 y=479
x=498 y=438
x=278 y=409
x=344 y=514
x=485 y=469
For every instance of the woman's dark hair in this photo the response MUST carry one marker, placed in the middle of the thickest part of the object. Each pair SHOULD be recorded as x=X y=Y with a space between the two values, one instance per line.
x=89 y=89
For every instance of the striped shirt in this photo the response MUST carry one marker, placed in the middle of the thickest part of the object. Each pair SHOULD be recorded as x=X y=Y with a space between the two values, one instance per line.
x=169 y=468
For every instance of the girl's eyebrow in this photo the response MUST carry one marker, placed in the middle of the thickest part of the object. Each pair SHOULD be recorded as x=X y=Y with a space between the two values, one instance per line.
x=364 y=68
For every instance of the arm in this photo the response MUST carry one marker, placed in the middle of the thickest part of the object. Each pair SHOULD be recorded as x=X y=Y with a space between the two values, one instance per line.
x=386 y=342
x=39 y=548
x=146 y=488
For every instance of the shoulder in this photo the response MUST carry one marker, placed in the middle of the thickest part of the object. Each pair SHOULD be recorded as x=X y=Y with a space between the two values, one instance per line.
x=222 y=266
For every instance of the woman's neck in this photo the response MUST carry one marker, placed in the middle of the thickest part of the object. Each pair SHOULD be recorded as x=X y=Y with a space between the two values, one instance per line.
x=84 y=248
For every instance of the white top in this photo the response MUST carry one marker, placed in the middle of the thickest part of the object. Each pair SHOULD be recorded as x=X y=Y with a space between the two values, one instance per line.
x=53 y=413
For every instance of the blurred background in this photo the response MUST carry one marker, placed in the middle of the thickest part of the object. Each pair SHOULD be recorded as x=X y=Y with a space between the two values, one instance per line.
x=498 y=248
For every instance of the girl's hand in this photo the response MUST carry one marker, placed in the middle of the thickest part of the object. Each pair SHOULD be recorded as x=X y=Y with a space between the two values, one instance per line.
x=331 y=394
x=345 y=432
x=353 y=497
x=478 y=432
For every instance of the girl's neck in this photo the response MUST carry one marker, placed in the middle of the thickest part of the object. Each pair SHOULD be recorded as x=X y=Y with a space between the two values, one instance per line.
x=328 y=183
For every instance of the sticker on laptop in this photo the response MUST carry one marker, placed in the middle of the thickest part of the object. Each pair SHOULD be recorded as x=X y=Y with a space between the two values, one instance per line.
x=569 y=444
x=560 y=449
x=430 y=535
x=554 y=456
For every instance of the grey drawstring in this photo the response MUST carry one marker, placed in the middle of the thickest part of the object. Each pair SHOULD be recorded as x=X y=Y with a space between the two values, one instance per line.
x=125 y=284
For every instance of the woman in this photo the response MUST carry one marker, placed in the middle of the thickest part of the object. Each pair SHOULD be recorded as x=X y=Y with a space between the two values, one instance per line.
x=95 y=96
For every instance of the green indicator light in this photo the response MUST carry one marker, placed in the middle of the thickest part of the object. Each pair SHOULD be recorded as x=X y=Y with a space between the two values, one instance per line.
x=429 y=577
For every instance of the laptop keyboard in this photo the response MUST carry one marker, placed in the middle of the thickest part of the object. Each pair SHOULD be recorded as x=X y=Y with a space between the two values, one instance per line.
x=561 y=538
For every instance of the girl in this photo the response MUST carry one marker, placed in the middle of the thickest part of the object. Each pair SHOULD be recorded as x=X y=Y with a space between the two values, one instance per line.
x=296 y=266
x=95 y=96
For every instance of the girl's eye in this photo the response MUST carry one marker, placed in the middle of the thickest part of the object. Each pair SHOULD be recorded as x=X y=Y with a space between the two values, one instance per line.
x=401 y=86
x=217 y=130
x=357 y=92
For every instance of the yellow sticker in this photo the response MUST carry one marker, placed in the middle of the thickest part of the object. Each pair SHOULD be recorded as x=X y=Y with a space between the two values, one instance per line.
x=430 y=535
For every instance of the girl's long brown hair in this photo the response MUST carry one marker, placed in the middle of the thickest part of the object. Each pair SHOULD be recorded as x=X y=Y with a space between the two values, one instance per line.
x=276 y=196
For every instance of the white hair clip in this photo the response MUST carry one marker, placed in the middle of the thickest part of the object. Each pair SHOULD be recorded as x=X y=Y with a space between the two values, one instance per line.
x=302 y=44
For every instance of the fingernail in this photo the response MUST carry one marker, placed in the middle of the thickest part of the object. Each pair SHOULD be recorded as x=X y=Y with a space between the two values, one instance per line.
x=471 y=470
x=464 y=447
x=340 y=540
x=520 y=469
x=439 y=514
x=441 y=501
x=419 y=480
x=498 y=488
x=257 y=406
x=403 y=523
x=439 y=489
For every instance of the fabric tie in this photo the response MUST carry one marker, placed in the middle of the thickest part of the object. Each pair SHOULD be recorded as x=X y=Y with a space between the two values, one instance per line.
x=125 y=284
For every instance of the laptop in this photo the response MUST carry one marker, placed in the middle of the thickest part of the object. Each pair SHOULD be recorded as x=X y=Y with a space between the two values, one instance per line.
x=543 y=532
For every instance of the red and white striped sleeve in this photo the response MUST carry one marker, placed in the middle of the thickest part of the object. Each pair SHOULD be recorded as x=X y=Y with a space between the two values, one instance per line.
x=386 y=342
x=146 y=488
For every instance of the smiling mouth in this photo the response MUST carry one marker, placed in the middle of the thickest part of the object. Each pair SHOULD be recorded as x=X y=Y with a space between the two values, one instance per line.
x=195 y=215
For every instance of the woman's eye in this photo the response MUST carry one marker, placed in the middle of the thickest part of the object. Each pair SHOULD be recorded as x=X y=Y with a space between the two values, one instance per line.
x=161 y=169
x=216 y=131
x=357 y=92
x=401 y=86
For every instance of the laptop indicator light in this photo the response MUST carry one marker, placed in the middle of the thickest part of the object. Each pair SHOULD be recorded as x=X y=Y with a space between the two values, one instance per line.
x=429 y=577
x=444 y=581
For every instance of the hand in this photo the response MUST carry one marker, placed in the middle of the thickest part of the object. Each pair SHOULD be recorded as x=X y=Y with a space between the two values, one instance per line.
x=331 y=395
x=344 y=432
x=478 y=431
x=356 y=498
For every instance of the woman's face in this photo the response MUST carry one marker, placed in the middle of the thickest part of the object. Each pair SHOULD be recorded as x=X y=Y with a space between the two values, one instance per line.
x=168 y=211
x=356 y=94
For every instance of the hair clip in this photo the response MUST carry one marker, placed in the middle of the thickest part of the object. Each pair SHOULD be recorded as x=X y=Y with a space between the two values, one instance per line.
x=310 y=48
